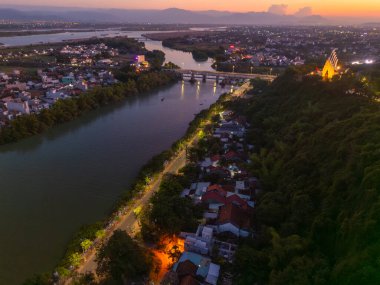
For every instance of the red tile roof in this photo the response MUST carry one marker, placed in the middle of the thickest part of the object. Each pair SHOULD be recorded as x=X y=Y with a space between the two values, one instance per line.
x=188 y=280
x=237 y=200
x=215 y=187
x=214 y=196
x=216 y=193
x=186 y=268
x=215 y=157
x=234 y=214
x=231 y=154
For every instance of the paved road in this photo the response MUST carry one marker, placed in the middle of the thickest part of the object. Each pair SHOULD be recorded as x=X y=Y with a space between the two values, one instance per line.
x=129 y=221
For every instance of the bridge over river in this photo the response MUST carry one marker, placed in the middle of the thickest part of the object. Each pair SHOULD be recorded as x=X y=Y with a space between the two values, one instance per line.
x=216 y=75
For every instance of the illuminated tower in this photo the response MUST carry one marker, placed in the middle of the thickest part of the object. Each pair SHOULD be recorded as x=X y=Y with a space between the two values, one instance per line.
x=331 y=66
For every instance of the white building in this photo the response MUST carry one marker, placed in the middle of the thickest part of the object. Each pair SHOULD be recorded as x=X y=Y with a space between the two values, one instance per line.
x=18 y=106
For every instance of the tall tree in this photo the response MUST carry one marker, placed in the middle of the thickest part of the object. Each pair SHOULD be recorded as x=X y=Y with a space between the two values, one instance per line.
x=122 y=259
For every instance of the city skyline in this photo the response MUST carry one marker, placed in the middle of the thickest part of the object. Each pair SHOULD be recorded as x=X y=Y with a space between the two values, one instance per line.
x=336 y=8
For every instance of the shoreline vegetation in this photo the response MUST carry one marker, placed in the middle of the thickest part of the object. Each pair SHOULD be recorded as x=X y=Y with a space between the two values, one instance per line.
x=130 y=82
x=89 y=236
x=202 y=51
x=176 y=34
x=69 y=109
x=177 y=41
x=317 y=159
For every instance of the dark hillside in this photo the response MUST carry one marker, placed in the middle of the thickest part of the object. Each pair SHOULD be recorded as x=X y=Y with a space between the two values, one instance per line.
x=318 y=158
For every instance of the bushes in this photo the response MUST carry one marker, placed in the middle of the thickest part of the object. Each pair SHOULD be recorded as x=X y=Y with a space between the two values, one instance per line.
x=122 y=259
x=318 y=161
x=70 y=109
x=169 y=213
x=148 y=172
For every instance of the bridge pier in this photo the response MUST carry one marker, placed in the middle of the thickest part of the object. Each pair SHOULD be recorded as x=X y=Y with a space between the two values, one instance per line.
x=192 y=79
x=217 y=79
x=204 y=76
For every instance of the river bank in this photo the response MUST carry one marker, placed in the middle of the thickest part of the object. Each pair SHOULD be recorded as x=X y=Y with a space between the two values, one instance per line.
x=168 y=35
x=138 y=195
x=149 y=179
x=69 y=109
x=47 y=180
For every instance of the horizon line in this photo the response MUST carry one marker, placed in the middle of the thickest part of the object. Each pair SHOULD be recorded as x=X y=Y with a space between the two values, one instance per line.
x=15 y=6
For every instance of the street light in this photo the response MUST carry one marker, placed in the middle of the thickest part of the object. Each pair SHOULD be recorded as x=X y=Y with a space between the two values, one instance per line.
x=216 y=67
x=233 y=68
x=251 y=69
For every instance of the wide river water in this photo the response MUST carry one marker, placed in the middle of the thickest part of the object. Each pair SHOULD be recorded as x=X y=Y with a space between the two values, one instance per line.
x=53 y=183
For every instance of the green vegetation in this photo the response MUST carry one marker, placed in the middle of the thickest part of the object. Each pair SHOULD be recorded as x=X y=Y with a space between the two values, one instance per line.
x=67 y=110
x=156 y=58
x=318 y=160
x=169 y=213
x=370 y=74
x=171 y=65
x=199 y=50
x=123 y=44
x=147 y=173
x=122 y=259
x=199 y=55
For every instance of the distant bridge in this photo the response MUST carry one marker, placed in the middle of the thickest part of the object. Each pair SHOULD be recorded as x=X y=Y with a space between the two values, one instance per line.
x=216 y=75
x=142 y=39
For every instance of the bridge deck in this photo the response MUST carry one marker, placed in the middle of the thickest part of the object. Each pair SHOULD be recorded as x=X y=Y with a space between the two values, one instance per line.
x=227 y=74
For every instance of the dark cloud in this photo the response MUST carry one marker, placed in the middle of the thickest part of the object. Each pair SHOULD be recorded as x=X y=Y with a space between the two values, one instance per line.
x=303 y=12
x=279 y=9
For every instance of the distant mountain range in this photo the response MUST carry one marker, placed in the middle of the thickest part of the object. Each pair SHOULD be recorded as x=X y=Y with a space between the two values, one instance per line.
x=167 y=16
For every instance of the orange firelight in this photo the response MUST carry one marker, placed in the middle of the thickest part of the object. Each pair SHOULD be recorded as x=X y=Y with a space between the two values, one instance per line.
x=168 y=248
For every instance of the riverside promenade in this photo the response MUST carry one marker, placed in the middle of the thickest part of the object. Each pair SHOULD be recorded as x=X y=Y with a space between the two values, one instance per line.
x=129 y=221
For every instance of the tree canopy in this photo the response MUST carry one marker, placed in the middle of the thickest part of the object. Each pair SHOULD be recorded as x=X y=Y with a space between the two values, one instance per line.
x=121 y=258
x=318 y=160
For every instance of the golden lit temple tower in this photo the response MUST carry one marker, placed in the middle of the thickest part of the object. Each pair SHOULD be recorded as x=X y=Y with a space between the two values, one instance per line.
x=331 y=66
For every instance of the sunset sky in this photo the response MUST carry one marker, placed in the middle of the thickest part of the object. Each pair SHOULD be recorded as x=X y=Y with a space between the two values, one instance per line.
x=358 y=8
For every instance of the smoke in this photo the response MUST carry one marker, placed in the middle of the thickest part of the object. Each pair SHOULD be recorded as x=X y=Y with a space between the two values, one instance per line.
x=304 y=12
x=278 y=9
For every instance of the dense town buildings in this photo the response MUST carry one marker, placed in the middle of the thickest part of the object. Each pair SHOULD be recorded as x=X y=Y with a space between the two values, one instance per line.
x=57 y=72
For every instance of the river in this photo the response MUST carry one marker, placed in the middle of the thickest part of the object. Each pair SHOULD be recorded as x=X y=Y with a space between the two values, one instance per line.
x=53 y=183
x=184 y=60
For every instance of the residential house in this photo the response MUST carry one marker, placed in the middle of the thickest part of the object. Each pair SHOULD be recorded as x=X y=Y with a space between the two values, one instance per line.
x=234 y=219
x=201 y=242
x=195 y=265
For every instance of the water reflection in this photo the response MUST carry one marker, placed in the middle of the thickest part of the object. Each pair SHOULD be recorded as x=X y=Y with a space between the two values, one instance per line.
x=182 y=90
x=49 y=180
x=35 y=142
x=198 y=90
